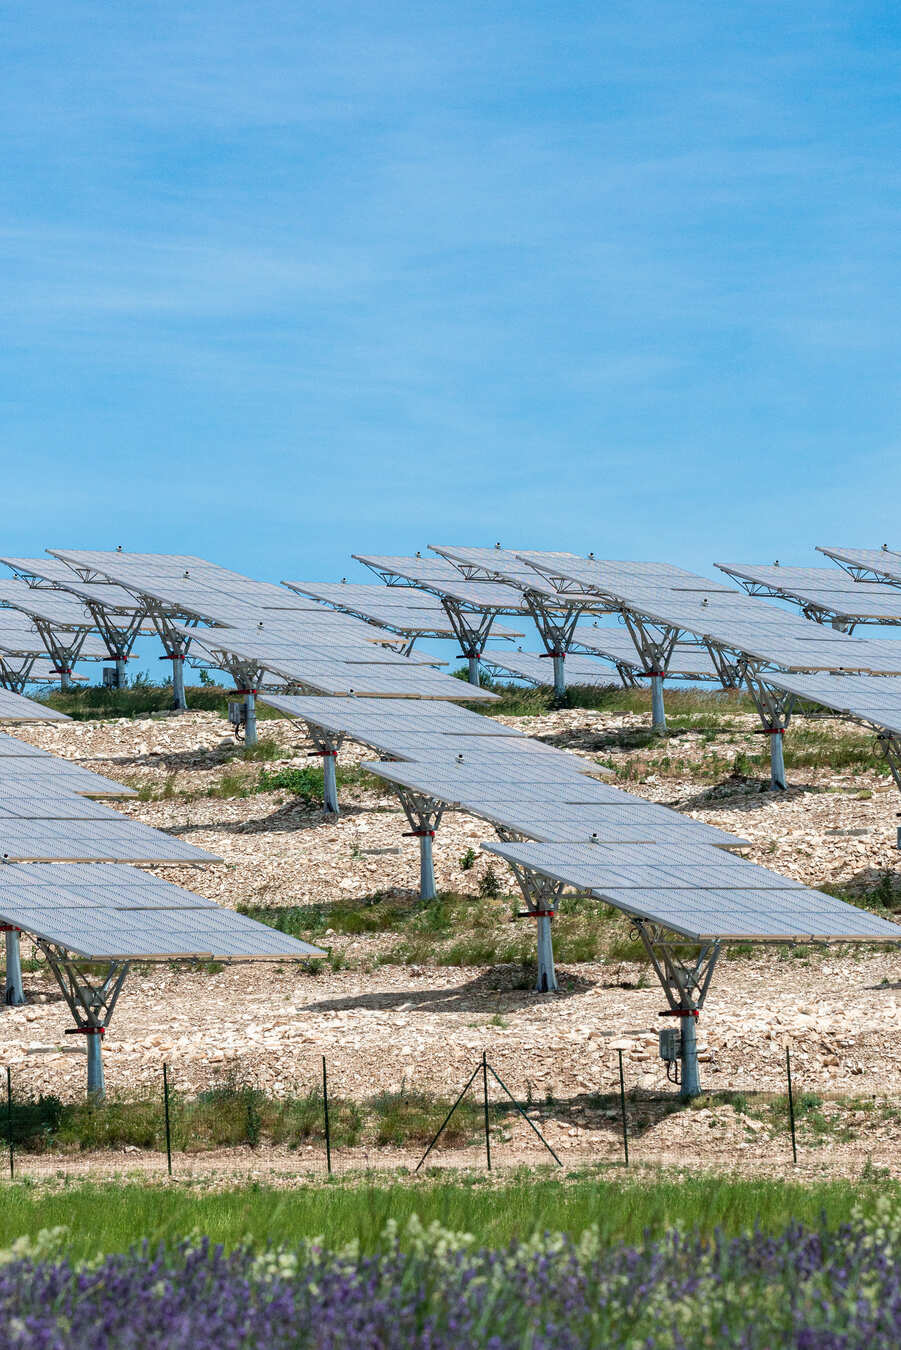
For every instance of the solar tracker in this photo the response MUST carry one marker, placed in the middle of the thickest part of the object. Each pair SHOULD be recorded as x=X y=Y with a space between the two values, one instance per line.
x=769 y=908
x=688 y=661
x=429 y=748
x=56 y=607
x=448 y=583
x=39 y=672
x=491 y=564
x=94 y=841
x=863 y=698
x=62 y=774
x=814 y=589
x=19 y=637
x=580 y=670
x=612 y=823
x=489 y=782
x=359 y=717
x=41 y=800
x=883 y=563
x=15 y=708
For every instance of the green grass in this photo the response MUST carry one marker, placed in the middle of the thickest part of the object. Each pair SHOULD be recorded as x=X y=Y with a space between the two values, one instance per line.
x=112 y=1217
x=516 y=700
x=141 y=696
x=460 y=930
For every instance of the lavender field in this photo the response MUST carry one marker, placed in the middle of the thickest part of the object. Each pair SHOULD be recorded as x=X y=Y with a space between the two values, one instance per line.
x=829 y=1289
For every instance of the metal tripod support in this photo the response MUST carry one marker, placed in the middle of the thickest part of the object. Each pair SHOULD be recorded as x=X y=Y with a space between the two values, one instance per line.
x=63 y=654
x=91 y=1005
x=542 y=895
x=118 y=636
x=423 y=816
x=471 y=629
x=556 y=626
x=15 y=678
x=654 y=643
x=775 y=709
x=14 y=992
x=685 y=987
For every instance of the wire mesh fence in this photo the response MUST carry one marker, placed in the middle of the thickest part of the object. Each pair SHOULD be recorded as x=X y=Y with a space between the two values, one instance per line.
x=316 y=1126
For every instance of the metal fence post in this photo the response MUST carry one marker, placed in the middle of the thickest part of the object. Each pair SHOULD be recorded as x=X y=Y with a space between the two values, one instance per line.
x=485 y=1099
x=791 y=1103
x=328 y=1136
x=166 y=1114
x=622 y=1105
x=9 y=1119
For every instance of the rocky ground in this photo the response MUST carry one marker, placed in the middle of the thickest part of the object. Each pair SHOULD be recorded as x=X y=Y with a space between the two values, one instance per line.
x=383 y=1026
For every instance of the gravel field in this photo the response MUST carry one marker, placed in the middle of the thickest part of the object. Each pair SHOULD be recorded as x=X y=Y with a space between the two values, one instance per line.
x=382 y=1026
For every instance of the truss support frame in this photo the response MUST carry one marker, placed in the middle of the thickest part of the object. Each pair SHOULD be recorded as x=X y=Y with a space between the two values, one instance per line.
x=556 y=627
x=542 y=895
x=471 y=629
x=91 y=1005
x=424 y=815
x=775 y=710
x=685 y=987
x=654 y=643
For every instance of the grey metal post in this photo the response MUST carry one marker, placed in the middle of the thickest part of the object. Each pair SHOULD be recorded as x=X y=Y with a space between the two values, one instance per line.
x=179 y=702
x=64 y=680
x=473 y=668
x=547 y=975
x=250 y=711
x=691 y=1079
x=120 y=674
x=559 y=675
x=777 y=761
x=427 y=889
x=658 y=714
x=330 y=781
x=96 y=1085
x=14 y=993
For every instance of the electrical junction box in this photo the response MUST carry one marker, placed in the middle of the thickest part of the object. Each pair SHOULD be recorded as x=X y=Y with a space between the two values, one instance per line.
x=670 y=1044
x=237 y=713
x=110 y=677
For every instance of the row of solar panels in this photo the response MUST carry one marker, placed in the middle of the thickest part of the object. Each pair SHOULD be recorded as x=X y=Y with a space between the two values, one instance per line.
x=638 y=856
x=61 y=880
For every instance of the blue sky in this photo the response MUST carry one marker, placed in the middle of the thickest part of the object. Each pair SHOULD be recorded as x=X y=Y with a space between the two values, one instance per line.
x=284 y=282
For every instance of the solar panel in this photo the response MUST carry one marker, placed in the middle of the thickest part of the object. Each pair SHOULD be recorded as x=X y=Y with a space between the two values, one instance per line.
x=16 y=708
x=360 y=717
x=62 y=774
x=688 y=661
x=11 y=745
x=849 y=695
x=444 y=580
x=882 y=562
x=607 y=824
x=37 y=800
x=770 y=908
x=94 y=841
x=58 y=608
x=580 y=670
x=489 y=783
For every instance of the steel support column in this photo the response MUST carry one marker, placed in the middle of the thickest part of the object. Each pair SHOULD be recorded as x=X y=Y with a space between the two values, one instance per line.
x=473 y=662
x=250 y=716
x=330 y=781
x=658 y=712
x=777 y=759
x=14 y=993
x=120 y=674
x=775 y=710
x=542 y=896
x=424 y=816
x=179 y=702
x=559 y=674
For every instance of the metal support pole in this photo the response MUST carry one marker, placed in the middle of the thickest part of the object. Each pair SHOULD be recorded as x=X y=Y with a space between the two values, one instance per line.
x=691 y=1080
x=166 y=1114
x=658 y=714
x=485 y=1101
x=9 y=1120
x=559 y=675
x=250 y=714
x=120 y=674
x=328 y=1133
x=14 y=993
x=622 y=1107
x=427 y=889
x=791 y=1103
x=777 y=761
x=179 y=702
x=96 y=1085
x=473 y=660
x=547 y=975
x=330 y=781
